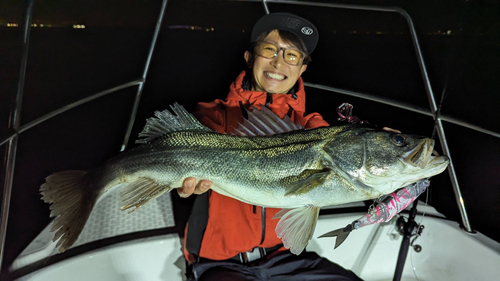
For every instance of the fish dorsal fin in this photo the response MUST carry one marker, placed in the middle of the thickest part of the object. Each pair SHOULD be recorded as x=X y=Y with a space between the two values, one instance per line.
x=166 y=122
x=296 y=227
x=264 y=122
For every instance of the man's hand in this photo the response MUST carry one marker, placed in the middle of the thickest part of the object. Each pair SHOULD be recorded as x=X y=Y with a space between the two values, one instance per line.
x=189 y=187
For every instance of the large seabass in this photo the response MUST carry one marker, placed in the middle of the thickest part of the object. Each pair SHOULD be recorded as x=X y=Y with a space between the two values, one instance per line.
x=270 y=163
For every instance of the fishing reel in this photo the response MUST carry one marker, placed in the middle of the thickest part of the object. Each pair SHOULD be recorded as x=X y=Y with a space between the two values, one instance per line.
x=409 y=227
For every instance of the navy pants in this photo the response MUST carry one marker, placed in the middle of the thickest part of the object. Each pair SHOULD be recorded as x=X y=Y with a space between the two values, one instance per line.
x=286 y=266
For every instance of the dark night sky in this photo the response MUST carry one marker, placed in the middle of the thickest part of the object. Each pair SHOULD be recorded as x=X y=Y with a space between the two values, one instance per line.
x=481 y=16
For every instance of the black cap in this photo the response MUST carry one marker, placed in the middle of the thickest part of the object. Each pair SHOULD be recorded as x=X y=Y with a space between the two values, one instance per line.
x=301 y=27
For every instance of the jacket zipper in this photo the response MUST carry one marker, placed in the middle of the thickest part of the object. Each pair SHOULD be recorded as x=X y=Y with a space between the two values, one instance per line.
x=263 y=215
x=269 y=99
x=263 y=220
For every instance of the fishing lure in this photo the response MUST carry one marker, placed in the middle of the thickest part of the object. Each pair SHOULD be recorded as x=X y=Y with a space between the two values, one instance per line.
x=385 y=210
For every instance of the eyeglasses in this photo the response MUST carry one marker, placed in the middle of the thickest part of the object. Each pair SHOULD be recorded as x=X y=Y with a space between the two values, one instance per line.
x=290 y=56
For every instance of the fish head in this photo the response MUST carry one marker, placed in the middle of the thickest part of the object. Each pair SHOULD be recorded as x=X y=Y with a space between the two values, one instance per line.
x=384 y=161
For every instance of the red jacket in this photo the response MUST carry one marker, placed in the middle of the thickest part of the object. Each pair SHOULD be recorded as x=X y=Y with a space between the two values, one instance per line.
x=234 y=226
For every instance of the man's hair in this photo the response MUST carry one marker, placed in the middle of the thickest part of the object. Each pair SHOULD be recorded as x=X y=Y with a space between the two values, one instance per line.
x=289 y=38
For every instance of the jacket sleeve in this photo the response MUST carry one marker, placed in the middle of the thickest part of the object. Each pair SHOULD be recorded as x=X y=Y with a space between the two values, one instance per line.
x=314 y=120
x=212 y=115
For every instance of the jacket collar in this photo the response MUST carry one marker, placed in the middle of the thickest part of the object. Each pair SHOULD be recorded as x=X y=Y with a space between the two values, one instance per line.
x=238 y=93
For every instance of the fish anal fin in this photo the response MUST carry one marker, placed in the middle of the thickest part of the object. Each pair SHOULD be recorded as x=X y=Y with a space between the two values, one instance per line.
x=296 y=227
x=140 y=192
x=305 y=181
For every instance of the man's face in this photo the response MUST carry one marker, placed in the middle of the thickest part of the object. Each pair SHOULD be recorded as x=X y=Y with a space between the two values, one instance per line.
x=274 y=75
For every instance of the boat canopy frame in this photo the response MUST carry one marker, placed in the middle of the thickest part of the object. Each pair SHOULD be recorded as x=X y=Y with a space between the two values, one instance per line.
x=15 y=128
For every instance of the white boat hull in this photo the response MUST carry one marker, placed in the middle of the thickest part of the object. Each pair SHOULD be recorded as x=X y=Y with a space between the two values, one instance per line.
x=447 y=253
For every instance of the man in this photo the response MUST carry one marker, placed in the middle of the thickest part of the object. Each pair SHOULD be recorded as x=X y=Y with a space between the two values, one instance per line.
x=226 y=238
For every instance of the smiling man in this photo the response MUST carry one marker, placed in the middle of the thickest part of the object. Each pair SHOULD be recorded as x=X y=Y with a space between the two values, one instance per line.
x=225 y=238
x=277 y=75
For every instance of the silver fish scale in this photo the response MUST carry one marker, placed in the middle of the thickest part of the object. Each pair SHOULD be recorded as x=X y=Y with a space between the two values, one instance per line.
x=249 y=169
x=265 y=171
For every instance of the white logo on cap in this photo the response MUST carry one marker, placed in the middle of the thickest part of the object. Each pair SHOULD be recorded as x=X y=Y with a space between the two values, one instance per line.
x=307 y=30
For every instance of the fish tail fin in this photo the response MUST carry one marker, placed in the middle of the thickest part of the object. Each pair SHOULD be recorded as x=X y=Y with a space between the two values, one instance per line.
x=70 y=205
x=140 y=192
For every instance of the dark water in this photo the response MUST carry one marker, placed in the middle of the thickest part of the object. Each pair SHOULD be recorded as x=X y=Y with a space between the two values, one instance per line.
x=66 y=65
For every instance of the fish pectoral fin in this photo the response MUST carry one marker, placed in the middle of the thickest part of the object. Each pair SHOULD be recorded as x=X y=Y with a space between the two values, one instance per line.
x=296 y=227
x=306 y=181
x=140 y=192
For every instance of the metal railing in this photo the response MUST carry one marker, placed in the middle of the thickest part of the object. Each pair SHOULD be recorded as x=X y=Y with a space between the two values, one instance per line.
x=15 y=121
x=402 y=105
x=11 y=141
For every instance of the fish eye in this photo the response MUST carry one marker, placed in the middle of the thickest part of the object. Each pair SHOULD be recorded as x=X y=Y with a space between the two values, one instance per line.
x=398 y=139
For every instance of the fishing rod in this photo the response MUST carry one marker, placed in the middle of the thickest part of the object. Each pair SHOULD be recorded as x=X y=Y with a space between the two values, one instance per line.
x=407 y=228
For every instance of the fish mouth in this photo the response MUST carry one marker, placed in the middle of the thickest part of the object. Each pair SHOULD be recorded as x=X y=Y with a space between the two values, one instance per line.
x=424 y=155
